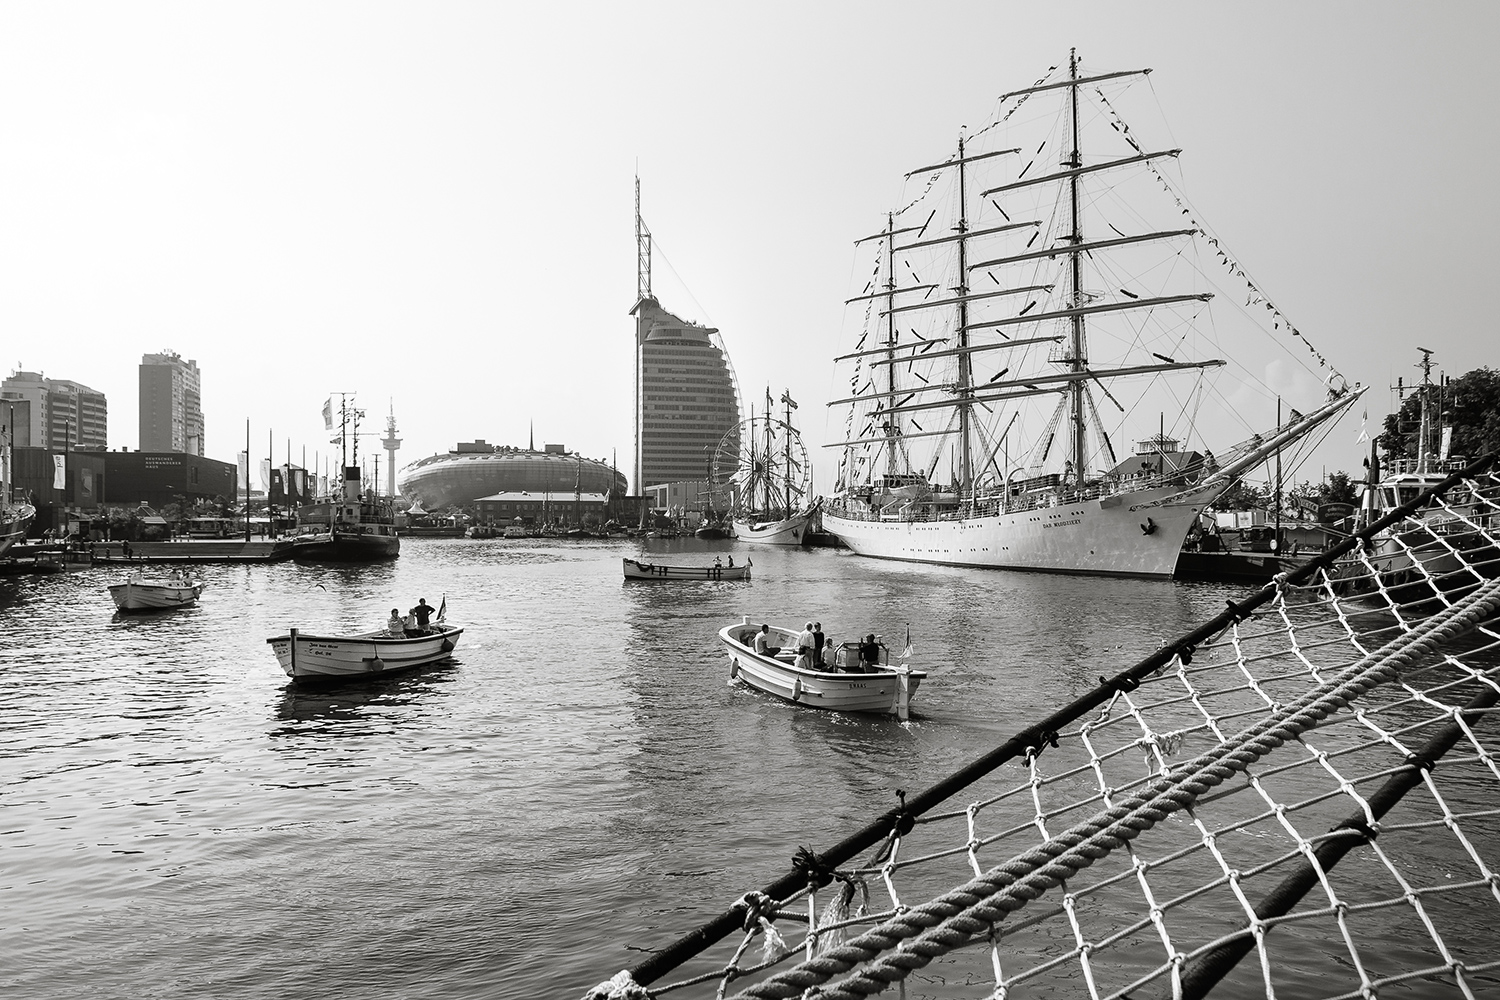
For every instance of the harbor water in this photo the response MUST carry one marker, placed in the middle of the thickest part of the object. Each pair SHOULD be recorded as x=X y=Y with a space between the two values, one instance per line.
x=584 y=782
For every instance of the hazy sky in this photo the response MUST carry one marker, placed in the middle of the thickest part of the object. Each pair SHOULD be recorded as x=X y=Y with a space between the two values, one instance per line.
x=433 y=203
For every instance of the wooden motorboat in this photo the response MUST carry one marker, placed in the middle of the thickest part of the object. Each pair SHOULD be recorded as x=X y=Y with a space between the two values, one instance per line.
x=845 y=683
x=145 y=590
x=637 y=570
x=307 y=657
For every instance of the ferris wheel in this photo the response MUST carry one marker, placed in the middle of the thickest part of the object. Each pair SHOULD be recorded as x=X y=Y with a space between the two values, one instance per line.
x=763 y=463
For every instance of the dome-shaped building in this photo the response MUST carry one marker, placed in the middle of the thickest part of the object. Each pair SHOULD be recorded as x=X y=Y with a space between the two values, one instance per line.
x=477 y=469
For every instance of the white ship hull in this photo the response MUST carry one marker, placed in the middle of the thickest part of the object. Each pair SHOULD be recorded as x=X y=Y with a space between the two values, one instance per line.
x=154 y=595
x=13 y=524
x=786 y=531
x=322 y=657
x=1114 y=536
x=886 y=690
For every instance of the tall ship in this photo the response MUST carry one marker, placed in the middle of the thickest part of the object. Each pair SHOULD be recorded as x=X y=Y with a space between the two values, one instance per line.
x=764 y=465
x=15 y=516
x=1045 y=290
x=352 y=524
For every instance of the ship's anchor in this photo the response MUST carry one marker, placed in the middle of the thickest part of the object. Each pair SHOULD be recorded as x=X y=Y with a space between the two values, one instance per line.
x=1149 y=528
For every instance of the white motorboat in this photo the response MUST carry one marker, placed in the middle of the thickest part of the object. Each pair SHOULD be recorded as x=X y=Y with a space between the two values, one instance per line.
x=145 y=590
x=307 y=657
x=847 y=682
x=635 y=569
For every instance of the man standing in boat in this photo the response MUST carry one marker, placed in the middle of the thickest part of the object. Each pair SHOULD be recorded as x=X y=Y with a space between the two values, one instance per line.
x=422 y=612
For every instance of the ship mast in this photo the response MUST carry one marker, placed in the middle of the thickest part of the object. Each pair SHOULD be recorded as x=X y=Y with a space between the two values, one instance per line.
x=786 y=471
x=965 y=364
x=1079 y=362
x=1424 y=425
x=890 y=343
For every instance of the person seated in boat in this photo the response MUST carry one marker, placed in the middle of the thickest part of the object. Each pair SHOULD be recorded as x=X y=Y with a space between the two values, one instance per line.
x=397 y=625
x=421 y=613
x=762 y=640
x=869 y=654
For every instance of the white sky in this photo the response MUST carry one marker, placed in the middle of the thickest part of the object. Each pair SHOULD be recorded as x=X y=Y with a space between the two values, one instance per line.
x=433 y=203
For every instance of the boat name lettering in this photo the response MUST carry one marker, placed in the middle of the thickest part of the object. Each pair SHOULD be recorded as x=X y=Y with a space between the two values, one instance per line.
x=1064 y=524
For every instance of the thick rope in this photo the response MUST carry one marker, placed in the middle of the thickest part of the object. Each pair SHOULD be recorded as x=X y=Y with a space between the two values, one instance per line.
x=910 y=940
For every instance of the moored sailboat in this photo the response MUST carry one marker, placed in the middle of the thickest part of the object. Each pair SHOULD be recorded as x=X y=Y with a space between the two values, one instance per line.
x=770 y=480
x=15 y=516
x=952 y=372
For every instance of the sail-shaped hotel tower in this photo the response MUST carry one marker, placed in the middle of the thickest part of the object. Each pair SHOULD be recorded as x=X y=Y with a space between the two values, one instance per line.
x=686 y=398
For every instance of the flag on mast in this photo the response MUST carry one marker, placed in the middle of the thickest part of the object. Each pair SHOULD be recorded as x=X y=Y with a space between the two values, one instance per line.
x=328 y=413
x=906 y=653
x=443 y=608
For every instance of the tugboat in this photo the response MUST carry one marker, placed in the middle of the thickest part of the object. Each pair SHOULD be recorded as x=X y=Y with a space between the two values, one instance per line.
x=354 y=525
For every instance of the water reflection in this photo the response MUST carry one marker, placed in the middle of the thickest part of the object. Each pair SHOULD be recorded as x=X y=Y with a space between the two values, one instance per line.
x=345 y=708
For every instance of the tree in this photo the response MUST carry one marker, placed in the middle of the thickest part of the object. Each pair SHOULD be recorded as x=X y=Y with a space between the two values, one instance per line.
x=1470 y=404
x=1337 y=488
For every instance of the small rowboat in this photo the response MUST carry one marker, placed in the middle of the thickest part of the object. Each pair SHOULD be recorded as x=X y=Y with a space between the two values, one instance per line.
x=844 y=683
x=637 y=570
x=156 y=592
x=367 y=654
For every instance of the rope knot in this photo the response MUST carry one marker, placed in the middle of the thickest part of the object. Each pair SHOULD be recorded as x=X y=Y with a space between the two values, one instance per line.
x=1359 y=826
x=1417 y=760
x=1239 y=613
x=811 y=865
x=904 y=820
x=757 y=906
x=1044 y=739
x=1118 y=685
x=1185 y=653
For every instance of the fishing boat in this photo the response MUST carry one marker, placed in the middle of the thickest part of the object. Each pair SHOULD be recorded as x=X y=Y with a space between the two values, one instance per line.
x=148 y=590
x=355 y=525
x=856 y=677
x=635 y=569
x=311 y=657
x=15 y=516
x=993 y=343
x=770 y=481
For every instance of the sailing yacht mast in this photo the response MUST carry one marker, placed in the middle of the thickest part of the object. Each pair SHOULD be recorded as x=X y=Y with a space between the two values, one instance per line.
x=1079 y=360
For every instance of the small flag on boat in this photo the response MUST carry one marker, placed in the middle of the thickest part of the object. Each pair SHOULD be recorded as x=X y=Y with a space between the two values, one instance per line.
x=443 y=608
x=906 y=653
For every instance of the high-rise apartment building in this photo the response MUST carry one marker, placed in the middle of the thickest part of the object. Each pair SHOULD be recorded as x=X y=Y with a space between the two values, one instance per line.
x=54 y=413
x=686 y=400
x=171 y=404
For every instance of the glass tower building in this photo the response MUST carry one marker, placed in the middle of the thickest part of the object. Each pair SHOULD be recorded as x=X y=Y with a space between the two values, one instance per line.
x=685 y=397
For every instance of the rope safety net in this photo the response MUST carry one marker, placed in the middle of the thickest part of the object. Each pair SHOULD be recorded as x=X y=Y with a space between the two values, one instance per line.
x=1299 y=798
